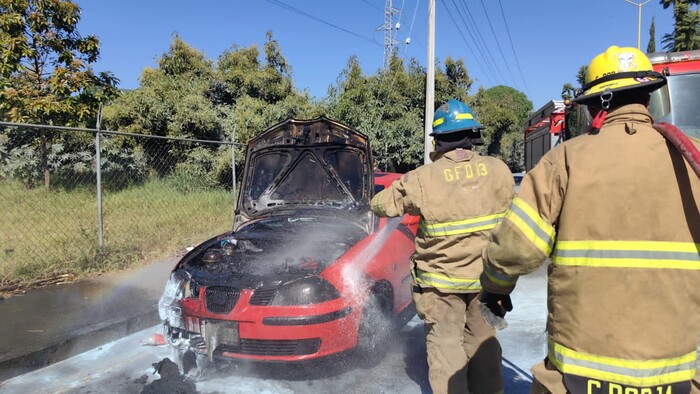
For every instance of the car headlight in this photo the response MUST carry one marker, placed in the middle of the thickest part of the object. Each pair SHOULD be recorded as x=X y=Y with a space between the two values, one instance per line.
x=306 y=291
x=169 y=303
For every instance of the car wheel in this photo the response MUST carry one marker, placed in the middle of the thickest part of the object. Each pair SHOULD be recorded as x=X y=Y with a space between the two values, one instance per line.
x=376 y=324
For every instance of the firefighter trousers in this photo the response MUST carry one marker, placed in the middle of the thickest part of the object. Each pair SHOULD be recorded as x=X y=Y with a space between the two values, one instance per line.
x=548 y=380
x=464 y=355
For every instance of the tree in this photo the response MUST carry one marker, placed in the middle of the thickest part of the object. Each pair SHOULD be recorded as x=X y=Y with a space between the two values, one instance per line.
x=685 y=35
x=389 y=106
x=568 y=91
x=651 y=47
x=45 y=72
x=190 y=96
x=581 y=75
x=502 y=110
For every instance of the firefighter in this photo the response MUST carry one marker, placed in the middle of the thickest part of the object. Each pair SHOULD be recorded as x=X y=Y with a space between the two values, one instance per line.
x=616 y=212
x=460 y=198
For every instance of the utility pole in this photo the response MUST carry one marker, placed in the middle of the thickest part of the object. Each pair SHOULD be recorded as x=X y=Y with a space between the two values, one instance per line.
x=639 y=21
x=389 y=31
x=430 y=84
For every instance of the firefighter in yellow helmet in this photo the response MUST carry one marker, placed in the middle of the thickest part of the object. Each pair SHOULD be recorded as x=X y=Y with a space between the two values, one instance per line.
x=616 y=212
x=460 y=198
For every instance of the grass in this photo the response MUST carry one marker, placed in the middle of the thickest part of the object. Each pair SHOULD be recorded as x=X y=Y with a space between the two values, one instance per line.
x=49 y=233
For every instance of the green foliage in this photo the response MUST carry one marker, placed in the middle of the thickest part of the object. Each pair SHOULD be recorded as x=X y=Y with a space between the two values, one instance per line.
x=144 y=222
x=651 y=47
x=196 y=172
x=189 y=96
x=502 y=110
x=686 y=29
x=45 y=73
x=568 y=91
x=389 y=106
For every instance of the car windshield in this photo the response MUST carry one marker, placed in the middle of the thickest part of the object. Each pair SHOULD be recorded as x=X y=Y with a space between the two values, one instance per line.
x=678 y=103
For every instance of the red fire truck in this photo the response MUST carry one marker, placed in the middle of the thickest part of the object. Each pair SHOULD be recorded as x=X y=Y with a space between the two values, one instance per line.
x=545 y=129
x=677 y=103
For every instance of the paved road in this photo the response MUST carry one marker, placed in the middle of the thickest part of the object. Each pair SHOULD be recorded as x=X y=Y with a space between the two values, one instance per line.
x=50 y=324
x=124 y=366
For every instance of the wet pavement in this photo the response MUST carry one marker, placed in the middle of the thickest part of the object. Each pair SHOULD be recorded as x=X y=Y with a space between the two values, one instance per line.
x=50 y=324
x=63 y=322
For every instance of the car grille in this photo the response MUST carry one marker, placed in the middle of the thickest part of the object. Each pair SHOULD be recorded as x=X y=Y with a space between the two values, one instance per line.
x=264 y=347
x=221 y=299
x=262 y=297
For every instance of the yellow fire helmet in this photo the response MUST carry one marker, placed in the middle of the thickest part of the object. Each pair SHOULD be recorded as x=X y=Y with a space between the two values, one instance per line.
x=618 y=69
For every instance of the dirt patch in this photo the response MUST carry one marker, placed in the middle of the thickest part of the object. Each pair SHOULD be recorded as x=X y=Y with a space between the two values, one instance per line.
x=8 y=289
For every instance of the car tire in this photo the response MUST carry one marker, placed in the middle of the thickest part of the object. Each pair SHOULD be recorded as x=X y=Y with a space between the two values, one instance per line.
x=376 y=324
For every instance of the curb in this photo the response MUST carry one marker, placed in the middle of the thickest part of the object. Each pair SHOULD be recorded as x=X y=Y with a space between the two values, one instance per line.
x=92 y=338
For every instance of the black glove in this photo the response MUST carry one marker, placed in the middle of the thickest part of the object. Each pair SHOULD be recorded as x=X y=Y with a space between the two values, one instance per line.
x=494 y=308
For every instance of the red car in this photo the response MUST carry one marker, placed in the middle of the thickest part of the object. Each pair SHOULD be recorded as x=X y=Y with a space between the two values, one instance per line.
x=308 y=271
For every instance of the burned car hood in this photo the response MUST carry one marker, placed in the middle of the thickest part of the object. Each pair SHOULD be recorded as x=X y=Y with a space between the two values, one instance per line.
x=305 y=164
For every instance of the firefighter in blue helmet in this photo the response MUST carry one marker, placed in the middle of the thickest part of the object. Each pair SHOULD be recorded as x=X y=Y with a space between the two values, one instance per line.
x=460 y=198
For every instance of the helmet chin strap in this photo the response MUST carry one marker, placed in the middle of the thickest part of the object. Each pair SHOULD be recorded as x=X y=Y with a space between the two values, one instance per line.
x=599 y=118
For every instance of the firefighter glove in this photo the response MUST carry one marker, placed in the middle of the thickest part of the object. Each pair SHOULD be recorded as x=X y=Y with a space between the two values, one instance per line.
x=494 y=308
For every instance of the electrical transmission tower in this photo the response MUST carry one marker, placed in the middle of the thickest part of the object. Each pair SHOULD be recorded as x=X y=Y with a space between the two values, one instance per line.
x=389 y=31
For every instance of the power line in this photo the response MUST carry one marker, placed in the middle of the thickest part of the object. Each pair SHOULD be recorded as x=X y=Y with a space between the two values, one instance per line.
x=512 y=47
x=483 y=42
x=487 y=70
x=300 y=12
x=493 y=31
x=372 y=5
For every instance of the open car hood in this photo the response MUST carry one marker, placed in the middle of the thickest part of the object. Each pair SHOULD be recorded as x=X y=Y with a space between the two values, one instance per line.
x=305 y=164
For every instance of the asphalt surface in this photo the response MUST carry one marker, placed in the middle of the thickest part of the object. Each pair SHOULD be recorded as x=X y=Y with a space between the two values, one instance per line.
x=53 y=323
x=98 y=328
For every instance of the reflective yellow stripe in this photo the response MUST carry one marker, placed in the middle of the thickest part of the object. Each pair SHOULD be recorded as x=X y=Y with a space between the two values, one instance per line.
x=499 y=278
x=628 y=254
x=465 y=226
x=465 y=115
x=638 y=373
x=445 y=282
x=529 y=222
x=438 y=122
x=378 y=209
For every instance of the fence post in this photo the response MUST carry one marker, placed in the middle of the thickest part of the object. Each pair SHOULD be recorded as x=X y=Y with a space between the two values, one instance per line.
x=233 y=170
x=98 y=173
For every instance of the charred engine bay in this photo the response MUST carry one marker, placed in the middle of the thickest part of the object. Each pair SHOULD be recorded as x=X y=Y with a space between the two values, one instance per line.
x=271 y=252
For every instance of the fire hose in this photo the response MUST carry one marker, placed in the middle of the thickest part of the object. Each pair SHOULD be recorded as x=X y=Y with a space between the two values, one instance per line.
x=682 y=143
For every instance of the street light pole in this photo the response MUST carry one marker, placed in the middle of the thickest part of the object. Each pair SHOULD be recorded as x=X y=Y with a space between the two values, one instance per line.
x=429 y=84
x=639 y=20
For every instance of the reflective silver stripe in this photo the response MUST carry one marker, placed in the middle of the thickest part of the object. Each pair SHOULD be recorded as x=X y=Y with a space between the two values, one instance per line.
x=465 y=226
x=445 y=282
x=628 y=254
x=499 y=278
x=623 y=371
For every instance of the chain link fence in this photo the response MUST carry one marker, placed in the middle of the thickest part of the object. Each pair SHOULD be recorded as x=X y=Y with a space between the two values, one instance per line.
x=80 y=200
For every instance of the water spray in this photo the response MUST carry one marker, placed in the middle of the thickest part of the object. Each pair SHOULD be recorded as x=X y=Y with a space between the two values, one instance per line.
x=353 y=277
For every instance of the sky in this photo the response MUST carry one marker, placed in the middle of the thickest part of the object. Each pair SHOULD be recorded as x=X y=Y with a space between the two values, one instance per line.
x=541 y=47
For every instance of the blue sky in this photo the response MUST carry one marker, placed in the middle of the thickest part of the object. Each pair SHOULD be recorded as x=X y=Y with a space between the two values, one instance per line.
x=551 y=39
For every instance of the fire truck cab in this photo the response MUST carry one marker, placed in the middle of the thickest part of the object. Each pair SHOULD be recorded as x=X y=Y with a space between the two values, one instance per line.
x=677 y=103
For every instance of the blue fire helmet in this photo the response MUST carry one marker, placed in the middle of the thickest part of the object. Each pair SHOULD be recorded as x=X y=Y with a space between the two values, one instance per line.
x=454 y=116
